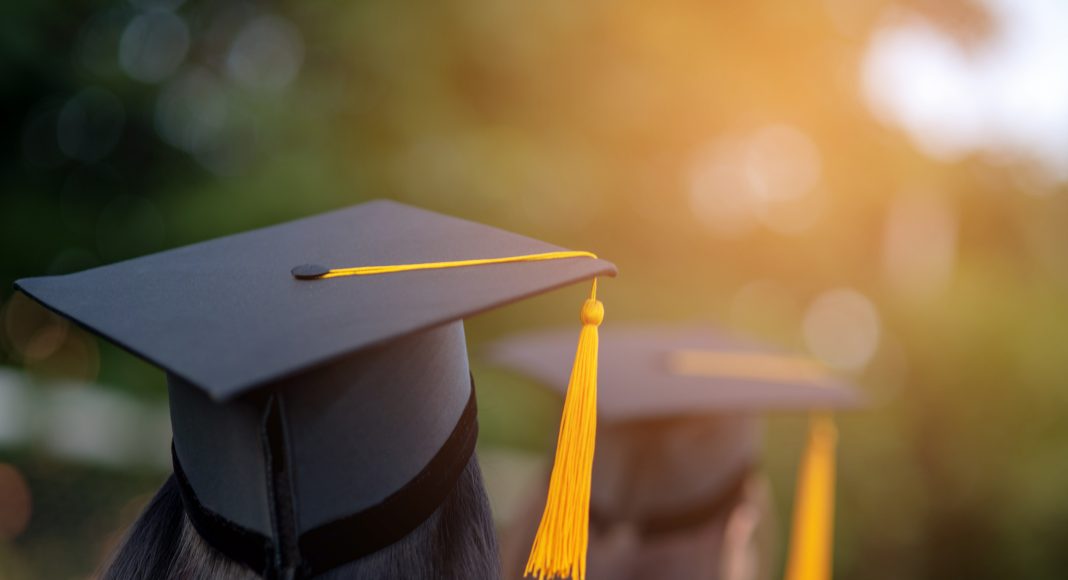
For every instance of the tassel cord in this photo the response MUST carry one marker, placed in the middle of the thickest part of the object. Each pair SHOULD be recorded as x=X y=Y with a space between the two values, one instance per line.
x=373 y=270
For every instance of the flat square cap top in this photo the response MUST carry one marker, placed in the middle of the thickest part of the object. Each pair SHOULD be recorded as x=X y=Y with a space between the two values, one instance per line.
x=651 y=372
x=227 y=315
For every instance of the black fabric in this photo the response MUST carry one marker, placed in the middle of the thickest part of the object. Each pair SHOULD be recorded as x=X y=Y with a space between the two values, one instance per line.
x=279 y=479
x=238 y=543
x=228 y=316
x=346 y=539
x=683 y=521
x=385 y=411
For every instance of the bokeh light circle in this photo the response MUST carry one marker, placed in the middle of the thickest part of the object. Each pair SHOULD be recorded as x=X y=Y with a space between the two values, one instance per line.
x=769 y=176
x=266 y=54
x=780 y=163
x=16 y=504
x=841 y=327
x=153 y=46
x=192 y=109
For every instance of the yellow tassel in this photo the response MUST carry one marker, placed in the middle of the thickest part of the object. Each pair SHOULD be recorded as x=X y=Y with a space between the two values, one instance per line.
x=559 y=549
x=812 y=538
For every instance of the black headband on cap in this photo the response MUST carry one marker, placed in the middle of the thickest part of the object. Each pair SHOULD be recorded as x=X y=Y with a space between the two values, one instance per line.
x=349 y=538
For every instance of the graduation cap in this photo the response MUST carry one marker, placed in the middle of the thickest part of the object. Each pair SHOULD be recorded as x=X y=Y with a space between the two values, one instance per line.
x=321 y=401
x=653 y=373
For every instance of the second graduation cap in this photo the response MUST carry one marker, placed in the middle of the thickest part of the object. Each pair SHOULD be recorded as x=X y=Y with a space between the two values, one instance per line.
x=652 y=373
x=321 y=401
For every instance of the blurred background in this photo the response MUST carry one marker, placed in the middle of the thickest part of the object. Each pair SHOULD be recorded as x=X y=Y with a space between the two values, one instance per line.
x=878 y=183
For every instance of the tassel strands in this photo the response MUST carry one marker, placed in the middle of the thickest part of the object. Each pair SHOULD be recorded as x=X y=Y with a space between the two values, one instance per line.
x=559 y=549
x=812 y=537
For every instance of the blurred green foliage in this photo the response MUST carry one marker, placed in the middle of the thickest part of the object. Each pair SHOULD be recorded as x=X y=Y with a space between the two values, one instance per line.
x=576 y=123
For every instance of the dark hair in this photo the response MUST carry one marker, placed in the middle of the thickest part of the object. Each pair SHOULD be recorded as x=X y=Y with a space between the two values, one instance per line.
x=457 y=541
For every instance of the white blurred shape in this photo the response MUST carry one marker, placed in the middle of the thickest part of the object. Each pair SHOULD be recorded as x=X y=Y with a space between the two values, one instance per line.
x=92 y=425
x=919 y=245
x=1009 y=96
x=90 y=124
x=768 y=177
x=15 y=408
x=153 y=46
x=83 y=422
x=841 y=327
x=266 y=54
x=931 y=96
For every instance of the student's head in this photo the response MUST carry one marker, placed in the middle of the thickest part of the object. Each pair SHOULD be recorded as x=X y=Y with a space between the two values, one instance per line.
x=676 y=498
x=325 y=476
x=456 y=541
x=679 y=498
x=324 y=417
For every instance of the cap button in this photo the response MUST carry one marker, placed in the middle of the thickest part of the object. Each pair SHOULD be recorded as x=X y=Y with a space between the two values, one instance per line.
x=309 y=271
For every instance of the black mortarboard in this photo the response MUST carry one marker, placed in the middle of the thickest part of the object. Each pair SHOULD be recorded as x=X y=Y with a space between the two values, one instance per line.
x=649 y=374
x=316 y=420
